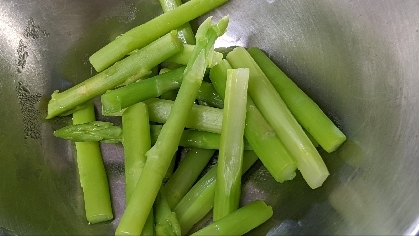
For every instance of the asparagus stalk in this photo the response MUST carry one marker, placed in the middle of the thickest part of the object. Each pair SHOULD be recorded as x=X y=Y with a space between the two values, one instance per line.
x=143 y=60
x=136 y=141
x=185 y=32
x=304 y=109
x=182 y=57
x=93 y=179
x=208 y=95
x=200 y=198
x=267 y=145
x=160 y=155
x=166 y=220
x=282 y=121
x=186 y=174
x=190 y=138
x=202 y=118
x=227 y=191
x=114 y=101
x=240 y=221
x=146 y=33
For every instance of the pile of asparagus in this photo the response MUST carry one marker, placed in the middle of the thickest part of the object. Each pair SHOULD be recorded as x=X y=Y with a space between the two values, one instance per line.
x=245 y=107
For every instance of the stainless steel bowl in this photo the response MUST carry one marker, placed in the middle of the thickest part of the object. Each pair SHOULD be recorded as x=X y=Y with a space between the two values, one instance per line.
x=357 y=59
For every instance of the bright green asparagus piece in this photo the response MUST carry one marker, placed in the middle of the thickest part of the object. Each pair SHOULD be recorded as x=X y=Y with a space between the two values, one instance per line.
x=267 y=145
x=208 y=95
x=240 y=221
x=186 y=174
x=200 y=198
x=304 y=109
x=166 y=220
x=93 y=179
x=282 y=121
x=228 y=187
x=160 y=155
x=138 y=63
x=182 y=57
x=146 y=33
x=185 y=32
x=136 y=142
x=201 y=118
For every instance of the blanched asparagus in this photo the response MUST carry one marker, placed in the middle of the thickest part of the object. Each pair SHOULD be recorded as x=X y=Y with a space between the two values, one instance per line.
x=138 y=63
x=304 y=109
x=166 y=220
x=182 y=57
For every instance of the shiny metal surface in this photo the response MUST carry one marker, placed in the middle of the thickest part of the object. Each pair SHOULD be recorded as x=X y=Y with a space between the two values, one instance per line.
x=357 y=59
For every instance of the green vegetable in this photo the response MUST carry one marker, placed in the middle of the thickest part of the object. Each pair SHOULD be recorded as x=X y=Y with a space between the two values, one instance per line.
x=138 y=63
x=277 y=114
x=136 y=141
x=201 y=118
x=200 y=198
x=166 y=220
x=208 y=95
x=160 y=155
x=240 y=221
x=267 y=145
x=185 y=32
x=146 y=33
x=186 y=174
x=228 y=188
x=304 y=109
x=93 y=179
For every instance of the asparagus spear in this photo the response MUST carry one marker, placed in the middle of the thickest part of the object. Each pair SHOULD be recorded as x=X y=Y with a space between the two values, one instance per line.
x=304 y=109
x=146 y=33
x=259 y=133
x=160 y=155
x=200 y=198
x=186 y=174
x=93 y=179
x=208 y=95
x=143 y=60
x=282 y=121
x=227 y=191
x=190 y=138
x=202 y=118
x=240 y=221
x=166 y=220
x=185 y=32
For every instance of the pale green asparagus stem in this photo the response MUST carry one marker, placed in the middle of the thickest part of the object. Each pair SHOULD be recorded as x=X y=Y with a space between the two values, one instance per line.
x=137 y=63
x=136 y=141
x=200 y=198
x=148 y=32
x=201 y=118
x=304 y=109
x=267 y=145
x=166 y=220
x=227 y=191
x=186 y=174
x=282 y=121
x=93 y=179
x=182 y=57
x=240 y=221
x=185 y=32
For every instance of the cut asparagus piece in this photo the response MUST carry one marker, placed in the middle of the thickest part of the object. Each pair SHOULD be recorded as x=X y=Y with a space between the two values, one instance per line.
x=202 y=118
x=143 y=60
x=136 y=142
x=166 y=220
x=208 y=95
x=304 y=109
x=228 y=187
x=93 y=179
x=267 y=145
x=185 y=32
x=200 y=199
x=240 y=221
x=186 y=174
x=277 y=114
x=146 y=33
x=160 y=155
x=182 y=57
